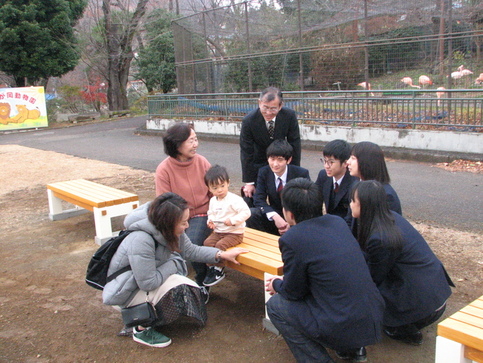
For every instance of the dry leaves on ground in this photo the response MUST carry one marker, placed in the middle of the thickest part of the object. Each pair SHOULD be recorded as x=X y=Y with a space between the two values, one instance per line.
x=463 y=165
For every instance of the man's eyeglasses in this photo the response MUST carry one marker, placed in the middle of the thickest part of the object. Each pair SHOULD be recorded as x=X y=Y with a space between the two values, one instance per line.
x=271 y=109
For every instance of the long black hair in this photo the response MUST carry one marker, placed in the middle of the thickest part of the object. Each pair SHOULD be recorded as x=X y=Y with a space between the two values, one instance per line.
x=165 y=212
x=375 y=216
x=370 y=159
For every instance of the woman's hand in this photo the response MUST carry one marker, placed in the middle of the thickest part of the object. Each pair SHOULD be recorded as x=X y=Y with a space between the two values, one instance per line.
x=232 y=254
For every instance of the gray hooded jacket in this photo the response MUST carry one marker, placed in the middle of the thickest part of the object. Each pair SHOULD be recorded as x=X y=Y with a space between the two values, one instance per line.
x=151 y=264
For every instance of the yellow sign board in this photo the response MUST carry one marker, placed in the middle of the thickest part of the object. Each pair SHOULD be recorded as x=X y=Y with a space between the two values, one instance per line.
x=22 y=108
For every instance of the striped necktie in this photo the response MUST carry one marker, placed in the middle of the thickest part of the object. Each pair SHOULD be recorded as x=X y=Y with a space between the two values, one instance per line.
x=280 y=186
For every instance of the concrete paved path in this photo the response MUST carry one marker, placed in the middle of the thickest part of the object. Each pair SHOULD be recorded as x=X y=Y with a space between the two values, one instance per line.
x=428 y=194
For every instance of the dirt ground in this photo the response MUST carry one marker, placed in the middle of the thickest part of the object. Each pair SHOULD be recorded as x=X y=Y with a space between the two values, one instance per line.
x=48 y=313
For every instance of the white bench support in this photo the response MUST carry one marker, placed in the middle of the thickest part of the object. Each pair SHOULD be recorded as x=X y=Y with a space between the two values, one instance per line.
x=267 y=324
x=56 y=211
x=103 y=216
x=449 y=351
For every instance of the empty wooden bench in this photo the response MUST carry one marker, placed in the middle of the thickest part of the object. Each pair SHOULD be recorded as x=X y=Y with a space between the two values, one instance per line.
x=263 y=261
x=460 y=337
x=105 y=202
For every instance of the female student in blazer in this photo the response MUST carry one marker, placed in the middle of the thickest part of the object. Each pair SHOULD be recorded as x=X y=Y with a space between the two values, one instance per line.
x=411 y=279
x=367 y=163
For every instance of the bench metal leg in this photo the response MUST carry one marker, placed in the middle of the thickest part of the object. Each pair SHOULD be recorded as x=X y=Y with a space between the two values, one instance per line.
x=449 y=351
x=267 y=324
x=56 y=211
x=103 y=216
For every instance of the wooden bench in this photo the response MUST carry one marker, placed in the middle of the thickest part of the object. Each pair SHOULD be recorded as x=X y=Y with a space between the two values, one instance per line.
x=105 y=202
x=460 y=337
x=263 y=261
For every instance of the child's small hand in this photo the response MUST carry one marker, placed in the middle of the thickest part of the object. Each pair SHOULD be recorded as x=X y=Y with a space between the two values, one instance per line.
x=211 y=225
x=228 y=222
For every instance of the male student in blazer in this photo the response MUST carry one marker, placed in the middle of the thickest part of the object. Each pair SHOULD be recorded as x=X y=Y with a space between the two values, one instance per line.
x=336 y=198
x=255 y=136
x=266 y=215
x=326 y=298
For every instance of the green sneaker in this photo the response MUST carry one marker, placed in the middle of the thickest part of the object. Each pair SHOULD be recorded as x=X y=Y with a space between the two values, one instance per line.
x=151 y=337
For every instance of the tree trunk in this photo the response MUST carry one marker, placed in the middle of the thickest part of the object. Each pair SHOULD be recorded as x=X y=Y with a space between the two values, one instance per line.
x=120 y=55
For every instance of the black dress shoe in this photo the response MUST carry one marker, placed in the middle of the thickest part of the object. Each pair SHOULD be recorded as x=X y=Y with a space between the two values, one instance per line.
x=415 y=338
x=356 y=355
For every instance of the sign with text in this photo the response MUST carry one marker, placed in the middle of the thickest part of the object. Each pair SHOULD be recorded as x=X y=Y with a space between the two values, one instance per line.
x=22 y=108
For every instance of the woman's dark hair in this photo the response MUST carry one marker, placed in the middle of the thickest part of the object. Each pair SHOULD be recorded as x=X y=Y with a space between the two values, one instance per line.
x=216 y=175
x=370 y=159
x=175 y=136
x=301 y=197
x=375 y=216
x=165 y=212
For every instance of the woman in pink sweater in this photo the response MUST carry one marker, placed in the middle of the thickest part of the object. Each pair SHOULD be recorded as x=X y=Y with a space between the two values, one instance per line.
x=183 y=172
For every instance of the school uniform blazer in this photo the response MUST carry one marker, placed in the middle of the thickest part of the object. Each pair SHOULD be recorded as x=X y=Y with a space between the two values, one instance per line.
x=328 y=284
x=413 y=281
x=254 y=140
x=266 y=188
x=341 y=198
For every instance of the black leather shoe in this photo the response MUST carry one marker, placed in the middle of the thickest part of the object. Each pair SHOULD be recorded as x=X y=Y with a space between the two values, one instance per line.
x=412 y=339
x=356 y=355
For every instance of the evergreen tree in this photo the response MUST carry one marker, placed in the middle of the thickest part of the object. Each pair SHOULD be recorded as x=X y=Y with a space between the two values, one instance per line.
x=37 y=38
x=156 y=61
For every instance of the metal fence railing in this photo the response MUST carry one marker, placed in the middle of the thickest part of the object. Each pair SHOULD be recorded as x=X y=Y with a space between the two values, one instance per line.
x=400 y=108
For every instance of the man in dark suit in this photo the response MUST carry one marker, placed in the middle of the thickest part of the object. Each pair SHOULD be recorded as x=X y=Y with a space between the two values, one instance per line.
x=335 y=181
x=270 y=121
x=326 y=297
x=266 y=215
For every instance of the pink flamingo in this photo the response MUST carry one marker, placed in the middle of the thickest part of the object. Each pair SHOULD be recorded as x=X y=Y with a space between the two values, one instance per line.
x=408 y=81
x=425 y=80
x=366 y=86
x=464 y=71
x=479 y=80
x=440 y=95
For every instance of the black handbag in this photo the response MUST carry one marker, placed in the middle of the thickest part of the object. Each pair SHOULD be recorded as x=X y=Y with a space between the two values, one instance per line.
x=142 y=314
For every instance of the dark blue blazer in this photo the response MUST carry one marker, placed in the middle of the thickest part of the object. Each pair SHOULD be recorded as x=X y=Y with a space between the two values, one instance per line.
x=266 y=197
x=341 y=199
x=254 y=140
x=412 y=280
x=328 y=283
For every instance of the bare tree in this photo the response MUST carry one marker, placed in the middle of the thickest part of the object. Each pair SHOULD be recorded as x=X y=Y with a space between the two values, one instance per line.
x=119 y=43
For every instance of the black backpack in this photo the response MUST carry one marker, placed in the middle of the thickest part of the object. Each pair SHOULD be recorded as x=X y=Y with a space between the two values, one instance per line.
x=96 y=275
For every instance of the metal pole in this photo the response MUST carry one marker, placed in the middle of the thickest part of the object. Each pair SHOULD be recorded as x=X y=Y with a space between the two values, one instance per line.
x=250 y=84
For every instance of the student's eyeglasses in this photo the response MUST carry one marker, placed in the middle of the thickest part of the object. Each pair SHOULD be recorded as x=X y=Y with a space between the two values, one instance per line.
x=327 y=161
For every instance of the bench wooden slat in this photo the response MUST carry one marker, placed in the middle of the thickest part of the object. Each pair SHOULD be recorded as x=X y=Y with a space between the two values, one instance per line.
x=474 y=354
x=473 y=311
x=264 y=255
x=468 y=319
x=255 y=250
x=96 y=191
x=88 y=194
x=461 y=332
x=262 y=236
x=259 y=261
x=477 y=303
x=261 y=246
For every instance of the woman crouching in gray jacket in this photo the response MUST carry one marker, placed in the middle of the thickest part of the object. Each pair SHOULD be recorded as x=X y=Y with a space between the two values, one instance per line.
x=156 y=250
